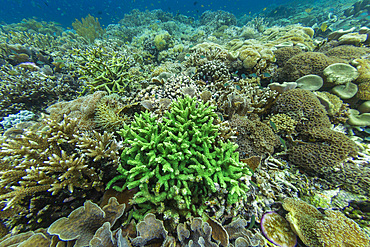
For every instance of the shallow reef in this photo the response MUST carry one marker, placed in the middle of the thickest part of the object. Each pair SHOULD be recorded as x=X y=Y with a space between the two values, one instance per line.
x=165 y=130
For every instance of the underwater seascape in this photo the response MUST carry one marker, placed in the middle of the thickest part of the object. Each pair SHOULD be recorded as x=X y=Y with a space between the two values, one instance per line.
x=185 y=123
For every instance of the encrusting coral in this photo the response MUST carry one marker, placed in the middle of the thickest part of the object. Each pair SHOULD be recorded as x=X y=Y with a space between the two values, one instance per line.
x=58 y=158
x=177 y=163
x=82 y=109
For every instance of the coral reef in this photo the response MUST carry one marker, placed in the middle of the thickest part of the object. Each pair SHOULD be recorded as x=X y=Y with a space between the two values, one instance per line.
x=218 y=118
x=22 y=89
x=177 y=163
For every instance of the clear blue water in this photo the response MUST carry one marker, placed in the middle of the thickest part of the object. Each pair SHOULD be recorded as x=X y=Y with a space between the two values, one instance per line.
x=111 y=11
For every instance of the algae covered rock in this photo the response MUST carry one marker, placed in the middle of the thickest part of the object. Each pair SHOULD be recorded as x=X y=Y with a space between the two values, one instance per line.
x=176 y=162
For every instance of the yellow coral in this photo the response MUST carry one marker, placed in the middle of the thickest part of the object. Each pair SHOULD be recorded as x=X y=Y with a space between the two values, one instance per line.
x=330 y=230
x=283 y=122
x=161 y=40
x=89 y=28
x=108 y=114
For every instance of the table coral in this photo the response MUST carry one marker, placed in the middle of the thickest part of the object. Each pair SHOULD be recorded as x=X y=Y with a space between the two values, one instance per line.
x=177 y=163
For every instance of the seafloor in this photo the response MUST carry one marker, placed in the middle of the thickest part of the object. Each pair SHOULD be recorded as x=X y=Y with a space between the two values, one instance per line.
x=164 y=130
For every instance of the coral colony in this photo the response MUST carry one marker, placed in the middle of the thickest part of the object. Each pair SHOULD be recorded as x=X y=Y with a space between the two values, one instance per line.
x=162 y=130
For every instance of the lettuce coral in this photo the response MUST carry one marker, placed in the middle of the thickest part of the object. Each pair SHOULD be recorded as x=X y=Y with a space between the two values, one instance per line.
x=177 y=163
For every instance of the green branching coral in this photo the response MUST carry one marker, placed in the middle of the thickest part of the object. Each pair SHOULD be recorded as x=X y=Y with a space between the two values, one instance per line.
x=177 y=163
x=106 y=70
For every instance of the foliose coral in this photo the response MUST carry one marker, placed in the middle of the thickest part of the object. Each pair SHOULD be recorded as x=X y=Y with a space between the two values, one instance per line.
x=177 y=163
x=82 y=224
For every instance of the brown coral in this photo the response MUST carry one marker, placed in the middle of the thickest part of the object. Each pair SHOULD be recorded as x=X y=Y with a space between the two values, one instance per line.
x=108 y=113
x=57 y=158
x=325 y=151
x=254 y=137
x=89 y=28
x=82 y=109
x=304 y=107
x=363 y=92
x=285 y=53
x=347 y=52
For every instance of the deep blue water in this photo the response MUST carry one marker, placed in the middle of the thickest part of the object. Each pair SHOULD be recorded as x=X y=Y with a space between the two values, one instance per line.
x=111 y=11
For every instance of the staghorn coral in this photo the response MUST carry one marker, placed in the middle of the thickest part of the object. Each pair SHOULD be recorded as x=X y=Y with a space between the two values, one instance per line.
x=58 y=160
x=106 y=69
x=176 y=162
x=316 y=229
x=89 y=28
